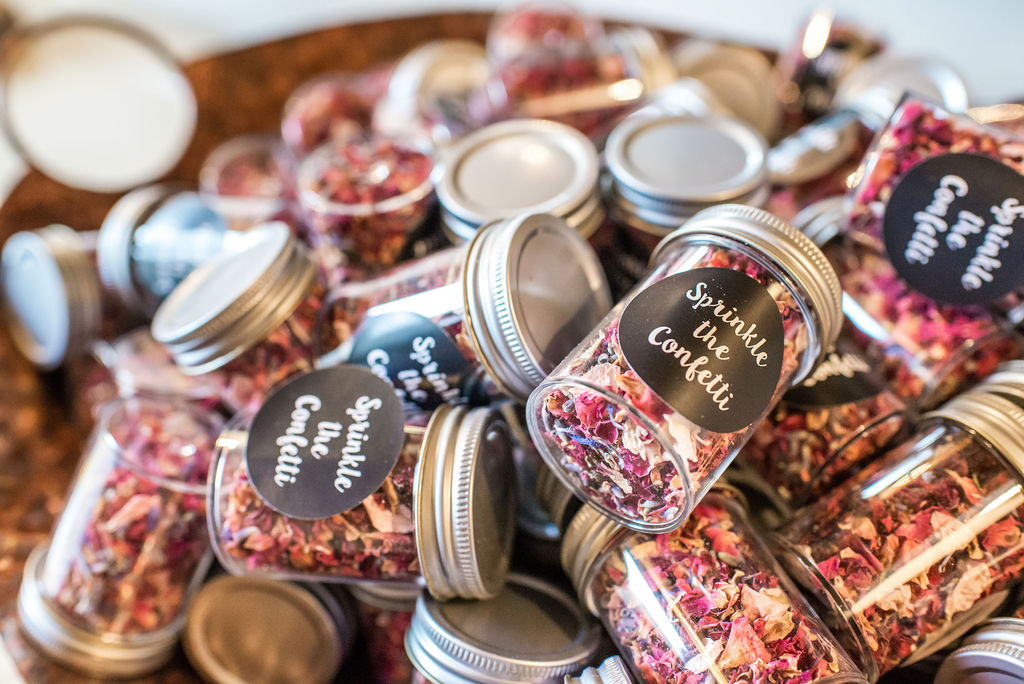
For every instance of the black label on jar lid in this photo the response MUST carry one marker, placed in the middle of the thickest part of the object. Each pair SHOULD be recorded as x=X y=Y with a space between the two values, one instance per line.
x=325 y=441
x=709 y=342
x=954 y=228
x=416 y=356
x=840 y=378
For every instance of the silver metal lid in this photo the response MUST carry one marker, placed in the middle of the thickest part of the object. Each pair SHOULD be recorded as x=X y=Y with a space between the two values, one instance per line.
x=793 y=251
x=994 y=418
x=103 y=655
x=821 y=221
x=992 y=655
x=875 y=87
x=1007 y=381
x=244 y=630
x=114 y=244
x=533 y=288
x=387 y=595
x=555 y=498
x=523 y=165
x=465 y=504
x=234 y=301
x=665 y=169
x=611 y=671
x=530 y=632
x=740 y=77
x=51 y=292
x=584 y=540
x=645 y=56
x=682 y=97
x=815 y=150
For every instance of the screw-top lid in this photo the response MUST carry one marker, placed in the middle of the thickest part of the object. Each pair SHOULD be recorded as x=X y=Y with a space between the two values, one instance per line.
x=665 y=169
x=394 y=596
x=994 y=418
x=530 y=632
x=1007 y=381
x=51 y=293
x=232 y=302
x=589 y=533
x=246 y=629
x=533 y=289
x=793 y=251
x=465 y=506
x=682 y=97
x=822 y=220
x=523 y=165
x=740 y=77
x=992 y=655
x=645 y=55
x=611 y=671
x=555 y=498
x=106 y=655
x=817 y=149
x=875 y=87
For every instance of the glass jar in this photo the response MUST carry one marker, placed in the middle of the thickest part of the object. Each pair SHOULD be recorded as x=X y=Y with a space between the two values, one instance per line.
x=517 y=167
x=108 y=593
x=826 y=428
x=995 y=653
x=430 y=91
x=250 y=315
x=476 y=321
x=245 y=629
x=365 y=197
x=552 y=63
x=54 y=303
x=385 y=614
x=394 y=534
x=611 y=671
x=249 y=180
x=927 y=350
x=643 y=416
x=531 y=632
x=705 y=603
x=329 y=107
x=914 y=551
x=663 y=170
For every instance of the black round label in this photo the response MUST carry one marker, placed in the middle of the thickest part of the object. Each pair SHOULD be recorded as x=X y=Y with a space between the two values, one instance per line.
x=416 y=356
x=325 y=441
x=708 y=342
x=954 y=228
x=842 y=377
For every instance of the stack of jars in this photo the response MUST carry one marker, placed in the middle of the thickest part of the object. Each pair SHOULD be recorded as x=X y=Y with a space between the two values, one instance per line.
x=364 y=402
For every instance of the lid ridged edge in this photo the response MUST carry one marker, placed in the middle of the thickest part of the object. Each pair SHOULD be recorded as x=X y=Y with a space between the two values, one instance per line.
x=611 y=671
x=993 y=417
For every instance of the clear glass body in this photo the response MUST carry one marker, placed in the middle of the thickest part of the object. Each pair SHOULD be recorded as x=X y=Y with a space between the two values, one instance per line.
x=384 y=631
x=618 y=445
x=804 y=451
x=131 y=544
x=249 y=180
x=927 y=350
x=707 y=603
x=329 y=107
x=912 y=552
x=365 y=198
x=551 y=62
x=373 y=541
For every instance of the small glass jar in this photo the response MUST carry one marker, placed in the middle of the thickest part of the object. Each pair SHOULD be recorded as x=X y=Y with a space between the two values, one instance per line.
x=365 y=197
x=245 y=629
x=552 y=63
x=251 y=315
x=927 y=350
x=531 y=632
x=475 y=321
x=913 y=552
x=395 y=535
x=826 y=428
x=643 y=416
x=663 y=170
x=385 y=615
x=611 y=671
x=249 y=180
x=516 y=167
x=430 y=91
x=995 y=653
x=108 y=593
x=152 y=238
x=335 y=107
x=705 y=603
